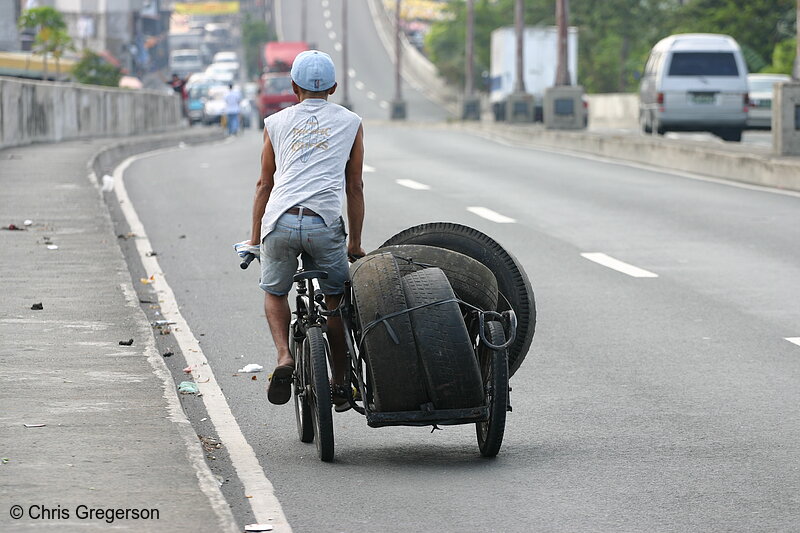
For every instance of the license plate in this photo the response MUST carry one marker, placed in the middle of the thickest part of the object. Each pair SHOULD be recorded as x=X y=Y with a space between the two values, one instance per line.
x=703 y=98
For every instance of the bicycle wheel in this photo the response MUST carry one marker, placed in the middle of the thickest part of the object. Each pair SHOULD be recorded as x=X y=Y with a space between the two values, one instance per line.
x=302 y=379
x=315 y=354
x=494 y=372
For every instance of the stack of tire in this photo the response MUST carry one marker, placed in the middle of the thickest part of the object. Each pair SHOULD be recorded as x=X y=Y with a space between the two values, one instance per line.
x=425 y=357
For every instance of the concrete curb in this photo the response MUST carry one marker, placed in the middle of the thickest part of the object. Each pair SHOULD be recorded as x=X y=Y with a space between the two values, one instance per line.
x=745 y=164
x=416 y=69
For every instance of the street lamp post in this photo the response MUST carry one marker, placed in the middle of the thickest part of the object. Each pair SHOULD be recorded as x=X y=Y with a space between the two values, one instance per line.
x=304 y=20
x=471 y=109
x=797 y=55
x=519 y=104
x=345 y=64
x=398 y=105
x=562 y=72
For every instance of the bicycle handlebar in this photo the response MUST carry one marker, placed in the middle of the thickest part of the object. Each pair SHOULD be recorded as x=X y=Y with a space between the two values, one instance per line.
x=246 y=261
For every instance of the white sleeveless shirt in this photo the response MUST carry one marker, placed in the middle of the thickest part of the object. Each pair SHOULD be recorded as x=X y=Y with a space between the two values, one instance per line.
x=312 y=142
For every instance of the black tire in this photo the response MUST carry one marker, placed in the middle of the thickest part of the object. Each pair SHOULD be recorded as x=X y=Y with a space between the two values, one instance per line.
x=512 y=282
x=471 y=280
x=320 y=397
x=494 y=372
x=302 y=381
x=394 y=372
x=445 y=351
x=730 y=134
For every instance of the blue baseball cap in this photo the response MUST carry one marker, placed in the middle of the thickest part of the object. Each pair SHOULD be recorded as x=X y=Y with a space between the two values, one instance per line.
x=313 y=70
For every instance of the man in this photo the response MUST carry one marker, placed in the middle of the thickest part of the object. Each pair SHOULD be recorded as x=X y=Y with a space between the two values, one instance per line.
x=313 y=155
x=179 y=86
x=232 y=109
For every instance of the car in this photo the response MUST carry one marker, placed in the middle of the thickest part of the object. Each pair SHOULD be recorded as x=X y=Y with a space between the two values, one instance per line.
x=197 y=94
x=695 y=82
x=226 y=57
x=759 y=114
x=185 y=61
x=225 y=72
x=214 y=106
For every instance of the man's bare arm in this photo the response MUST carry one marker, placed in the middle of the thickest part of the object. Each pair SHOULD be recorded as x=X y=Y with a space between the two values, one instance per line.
x=263 y=188
x=354 y=188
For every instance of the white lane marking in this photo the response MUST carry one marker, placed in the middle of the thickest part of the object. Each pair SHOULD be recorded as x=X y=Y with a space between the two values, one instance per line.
x=325 y=3
x=371 y=95
x=411 y=184
x=619 y=266
x=332 y=35
x=794 y=340
x=351 y=73
x=384 y=104
x=367 y=168
x=360 y=85
x=488 y=214
x=326 y=13
x=264 y=503
x=328 y=24
x=337 y=47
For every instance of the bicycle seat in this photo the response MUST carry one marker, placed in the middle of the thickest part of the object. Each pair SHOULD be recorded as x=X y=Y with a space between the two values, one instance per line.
x=310 y=274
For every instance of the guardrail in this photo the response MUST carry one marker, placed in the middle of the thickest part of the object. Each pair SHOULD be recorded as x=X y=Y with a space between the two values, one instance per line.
x=33 y=111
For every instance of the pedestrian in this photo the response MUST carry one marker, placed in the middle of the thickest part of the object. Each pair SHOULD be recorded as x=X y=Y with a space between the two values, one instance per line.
x=232 y=109
x=312 y=157
x=179 y=86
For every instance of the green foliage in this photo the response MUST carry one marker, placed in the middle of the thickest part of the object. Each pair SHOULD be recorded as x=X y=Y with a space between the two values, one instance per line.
x=44 y=17
x=51 y=37
x=615 y=36
x=93 y=69
x=255 y=33
x=783 y=57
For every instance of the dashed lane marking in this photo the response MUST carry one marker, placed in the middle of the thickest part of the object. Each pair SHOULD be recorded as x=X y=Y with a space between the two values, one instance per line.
x=411 y=184
x=360 y=85
x=328 y=24
x=488 y=214
x=332 y=35
x=384 y=104
x=794 y=340
x=367 y=168
x=326 y=13
x=371 y=95
x=351 y=73
x=337 y=47
x=619 y=266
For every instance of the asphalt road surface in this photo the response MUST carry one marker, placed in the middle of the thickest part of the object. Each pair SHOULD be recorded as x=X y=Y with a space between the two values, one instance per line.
x=666 y=403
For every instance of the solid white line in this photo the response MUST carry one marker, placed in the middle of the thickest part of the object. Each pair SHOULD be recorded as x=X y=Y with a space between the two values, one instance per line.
x=337 y=47
x=411 y=184
x=619 y=266
x=360 y=85
x=367 y=168
x=371 y=95
x=488 y=214
x=260 y=492
x=794 y=340
x=332 y=35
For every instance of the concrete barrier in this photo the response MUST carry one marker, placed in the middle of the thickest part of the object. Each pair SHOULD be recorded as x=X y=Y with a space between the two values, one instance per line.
x=746 y=164
x=33 y=111
x=615 y=110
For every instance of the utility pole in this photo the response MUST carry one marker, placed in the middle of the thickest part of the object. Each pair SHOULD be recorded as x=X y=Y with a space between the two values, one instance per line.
x=519 y=26
x=519 y=104
x=304 y=20
x=797 y=55
x=562 y=20
x=398 y=105
x=345 y=64
x=471 y=110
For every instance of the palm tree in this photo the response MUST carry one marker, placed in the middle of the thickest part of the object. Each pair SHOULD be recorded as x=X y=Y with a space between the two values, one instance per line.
x=49 y=22
x=59 y=42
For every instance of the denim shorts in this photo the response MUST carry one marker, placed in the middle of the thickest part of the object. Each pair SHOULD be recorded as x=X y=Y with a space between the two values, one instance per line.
x=322 y=248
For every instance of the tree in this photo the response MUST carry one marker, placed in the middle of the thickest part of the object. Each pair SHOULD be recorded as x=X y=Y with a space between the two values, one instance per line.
x=48 y=24
x=254 y=34
x=94 y=70
x=58 y=43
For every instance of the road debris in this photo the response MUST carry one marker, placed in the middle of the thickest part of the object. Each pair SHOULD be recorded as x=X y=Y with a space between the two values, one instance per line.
x=151 y=253
x=52 y=247
x=37 y=307
x=35 y=425
x=188 y=387
x=210 y=443
x=168 y=353
x=254 y=378
x=148 y=281
x=252 y=367
x=13 y=227
x=28 y=222
x=128 y=342
x=188 y=369
x=257 y=527
x=5 y=460
x=108 y=183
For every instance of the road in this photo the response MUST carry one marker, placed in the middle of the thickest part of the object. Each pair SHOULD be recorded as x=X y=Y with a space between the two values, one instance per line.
x=664 y=403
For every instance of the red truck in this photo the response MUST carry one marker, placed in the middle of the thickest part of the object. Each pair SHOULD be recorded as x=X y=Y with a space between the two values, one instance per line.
x=275 y=85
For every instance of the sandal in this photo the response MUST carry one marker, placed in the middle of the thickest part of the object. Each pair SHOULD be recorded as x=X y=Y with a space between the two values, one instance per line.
x=279 y=389
x=340 y=398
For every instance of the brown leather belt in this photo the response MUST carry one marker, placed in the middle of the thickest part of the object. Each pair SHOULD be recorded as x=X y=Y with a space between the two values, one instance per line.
x=306 y=212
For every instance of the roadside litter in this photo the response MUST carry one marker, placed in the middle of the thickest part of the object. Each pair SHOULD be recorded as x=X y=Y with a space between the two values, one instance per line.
x=148 y=281
x=252 y=367
x=128 y=342
x=37 y=307
x=13 y=227
x=52 y=247
x=258 y=527
x=108 y=183
x=35 y=425
x=188 y=387
x=168 y=353
x=28 y=222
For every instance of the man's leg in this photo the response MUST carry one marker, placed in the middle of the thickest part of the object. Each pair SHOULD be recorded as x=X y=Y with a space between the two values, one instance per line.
x=278 y=317
x=336 y=341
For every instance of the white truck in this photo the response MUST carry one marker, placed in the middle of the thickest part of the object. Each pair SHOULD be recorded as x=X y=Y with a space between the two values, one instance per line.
x=540 y=57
